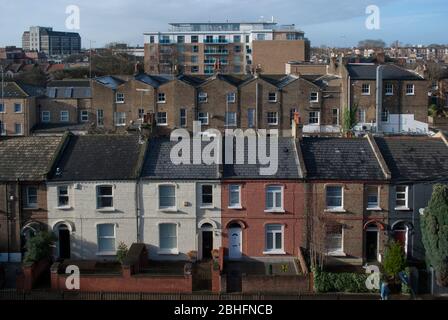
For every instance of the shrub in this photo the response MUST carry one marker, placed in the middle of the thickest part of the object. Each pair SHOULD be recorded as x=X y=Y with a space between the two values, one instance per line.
x=39 y=247
x=340 y=282
x=122 y=252
x=405 y=289
x=394 y=259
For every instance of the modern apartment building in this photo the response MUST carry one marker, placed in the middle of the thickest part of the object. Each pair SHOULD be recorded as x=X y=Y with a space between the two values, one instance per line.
x=240 y=47
x=53 y=43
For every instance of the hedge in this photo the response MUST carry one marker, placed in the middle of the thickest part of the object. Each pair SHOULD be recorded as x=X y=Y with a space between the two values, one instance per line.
x=340 y=282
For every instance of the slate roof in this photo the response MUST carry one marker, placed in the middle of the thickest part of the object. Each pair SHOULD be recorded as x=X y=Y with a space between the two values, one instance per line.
x=69 y=83
x=158 y=164
x=99 y=157
x=287 y=159
x=27 y=158
x=390 y=72
x=69 y=92
x=415 y=158
x=153 y=80
x=57 y=128
x=110 y=81
x=340 y=159
x=19 y=90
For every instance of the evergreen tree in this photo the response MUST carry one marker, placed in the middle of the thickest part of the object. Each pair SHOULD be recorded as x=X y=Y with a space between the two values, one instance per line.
x=434 y=225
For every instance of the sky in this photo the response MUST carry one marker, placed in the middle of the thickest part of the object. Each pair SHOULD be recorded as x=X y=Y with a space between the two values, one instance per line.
x=339 y=23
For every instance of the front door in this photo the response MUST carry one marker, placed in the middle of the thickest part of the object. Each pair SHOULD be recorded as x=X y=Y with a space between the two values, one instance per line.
x=64 y=243
x=207 y=244
x=372 y=245
x=400 y=237
x=235 y=243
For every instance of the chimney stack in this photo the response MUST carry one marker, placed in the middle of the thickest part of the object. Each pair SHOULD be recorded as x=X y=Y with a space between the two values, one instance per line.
x=297 y=127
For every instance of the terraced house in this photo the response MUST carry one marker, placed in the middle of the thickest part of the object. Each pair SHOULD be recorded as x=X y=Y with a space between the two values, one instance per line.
x=25 y=165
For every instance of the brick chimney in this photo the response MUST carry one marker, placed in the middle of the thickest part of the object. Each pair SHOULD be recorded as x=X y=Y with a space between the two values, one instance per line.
x=296 y=127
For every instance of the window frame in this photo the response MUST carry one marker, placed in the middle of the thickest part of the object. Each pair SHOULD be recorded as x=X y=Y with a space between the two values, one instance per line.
x=363 y=91
x=274 y=207
x=121 y=99
x=406 y=198
x=385 y=112
x=58 y=191
x=119 y=120
x=389 y=89
x=333 y=116
x=235 y=205
x=159 y=116
x=226 y=119
x=269 y=116
x=334 y=208
x=202 y=97
x=161 y=97
x=371 y=206
x=84 y=116
x=270 y=100
x=340 y=251
x=100 y=118
x=231 y=97
x=166 y=208
x=61 y=116
x=251 y=112
x=316 y=97
x=310 y=117
x=274 y=250
x=98 y=197
x=183 y=120
x=206 y=117
x=28 y=204
x=174 y=250
x=15 y=129
x=410 y=92
x=106 y=252
x=207 y=205
x=21 y=108
x=43 y=118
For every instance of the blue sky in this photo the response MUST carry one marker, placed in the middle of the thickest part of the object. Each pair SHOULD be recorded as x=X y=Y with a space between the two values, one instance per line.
x=325 y=22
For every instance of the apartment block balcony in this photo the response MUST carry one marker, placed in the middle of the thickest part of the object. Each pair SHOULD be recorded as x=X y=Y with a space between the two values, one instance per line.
x=221 y=52
x=216 y=41
x=212 y=61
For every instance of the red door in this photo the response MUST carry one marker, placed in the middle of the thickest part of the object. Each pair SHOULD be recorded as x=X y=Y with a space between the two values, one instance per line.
x=400 y=237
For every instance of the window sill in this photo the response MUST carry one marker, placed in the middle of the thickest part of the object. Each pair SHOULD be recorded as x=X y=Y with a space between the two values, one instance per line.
x=106 y=253
x=64 y=208
x=365 y=94
x=162 y=124
x=389 y=94
x=105 y=210
x=374 y=209
x=410 y=94
x=30 y=208
x=119 y=102
x=161 y=102
x=336 y=254
x=312 y=101
x=207 y=207
x=274 y=211
x=169 y=210
x=335 y=210
x=173 y=252
x=235 y=208
x=272 y=124
x=274 y=252
x=120 y=125
x=402 y=209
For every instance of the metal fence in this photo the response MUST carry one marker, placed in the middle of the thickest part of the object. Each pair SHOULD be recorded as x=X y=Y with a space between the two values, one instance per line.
x=12 y=294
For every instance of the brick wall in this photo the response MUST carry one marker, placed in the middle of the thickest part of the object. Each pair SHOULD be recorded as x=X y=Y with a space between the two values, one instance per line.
x=276 y=284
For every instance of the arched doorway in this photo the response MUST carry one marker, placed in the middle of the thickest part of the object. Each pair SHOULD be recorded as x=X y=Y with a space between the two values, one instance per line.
x=207 y=240
x=30 y=230
x=235 y=241
x=401 y=231
x=63 y=231
x=371 y=242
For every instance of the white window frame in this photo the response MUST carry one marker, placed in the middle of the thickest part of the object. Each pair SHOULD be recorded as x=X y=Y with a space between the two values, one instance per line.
x=84 y=116
x=160 y=117
x=254 y=112
x=412 y=91
x=202 y=97
x=362 y=115
x=204 y=116
x=269 y=116
x=314 y=97
x=337 y=116
x=389 y=89
x=274 y=250
x=119 y=97
x=383 y=113
x=334 y=208
x=28 y=204
x=21 y=108
x=339 y=252
x=45 y=116
x=161 y=97
x=168 y=251
x=371 y=206
x=226 y=116
x=206 y=205
x=100 y=118
x=112 y=252
x=59 y=195
x=21 y=129
x=274 y=207
x=62 y=117
x=235 y=205
x=406 y=194
x=310 y=117
x=275 y=97
x=231 y=97
x=363 y=91
x=169 y=209
x=120 y=121
x=98 y=196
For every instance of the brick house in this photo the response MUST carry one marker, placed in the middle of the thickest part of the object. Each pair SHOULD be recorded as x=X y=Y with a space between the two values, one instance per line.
x=26 y=163
x=180 y=205
x=67 y=105
x=263 y=215
x=18 y=113
x=416 y=165
x=403 y=103
x=347 y=204
x=92 y=195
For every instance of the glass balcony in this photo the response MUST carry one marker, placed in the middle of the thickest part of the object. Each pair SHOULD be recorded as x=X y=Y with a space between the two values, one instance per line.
x=208 y=51
x=216 y=41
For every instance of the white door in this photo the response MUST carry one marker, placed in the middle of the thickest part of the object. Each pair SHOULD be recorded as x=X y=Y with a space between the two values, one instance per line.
x=235 y=243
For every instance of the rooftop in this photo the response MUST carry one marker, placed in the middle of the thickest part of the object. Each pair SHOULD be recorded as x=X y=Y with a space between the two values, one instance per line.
x=367 y=71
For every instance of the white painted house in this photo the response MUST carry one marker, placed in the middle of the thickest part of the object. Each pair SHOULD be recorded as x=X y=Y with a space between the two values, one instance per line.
x=180 y=206
x=92 y=196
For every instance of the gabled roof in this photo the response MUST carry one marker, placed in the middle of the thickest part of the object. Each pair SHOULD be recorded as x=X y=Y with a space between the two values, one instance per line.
x=100 y=157
x=415 y=158
x=287 y=159
x=340 y=159
x=192 y=80
x=367 y=71
x=234 y=80
x=76 y=83
x=153 y=80
x=158 y=164
x=19 y=90
x=28 y=158
x=111 y=82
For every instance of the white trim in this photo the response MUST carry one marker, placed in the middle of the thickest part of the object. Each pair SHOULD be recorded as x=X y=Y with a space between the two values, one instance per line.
x=172 y=251
x=167 y=209
x=274 y=208
x=105 y=209
x=335 y=209
x=239 y=204
x=274 y=251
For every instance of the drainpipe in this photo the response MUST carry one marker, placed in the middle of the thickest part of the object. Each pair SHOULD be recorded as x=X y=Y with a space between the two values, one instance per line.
x=137 y=209
x=379 y=96
x=8 y=220
x=256 y=105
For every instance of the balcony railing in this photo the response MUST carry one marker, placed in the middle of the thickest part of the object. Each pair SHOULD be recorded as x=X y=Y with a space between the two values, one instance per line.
x=211 y=61
x=216 y=51
x=216 y=41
